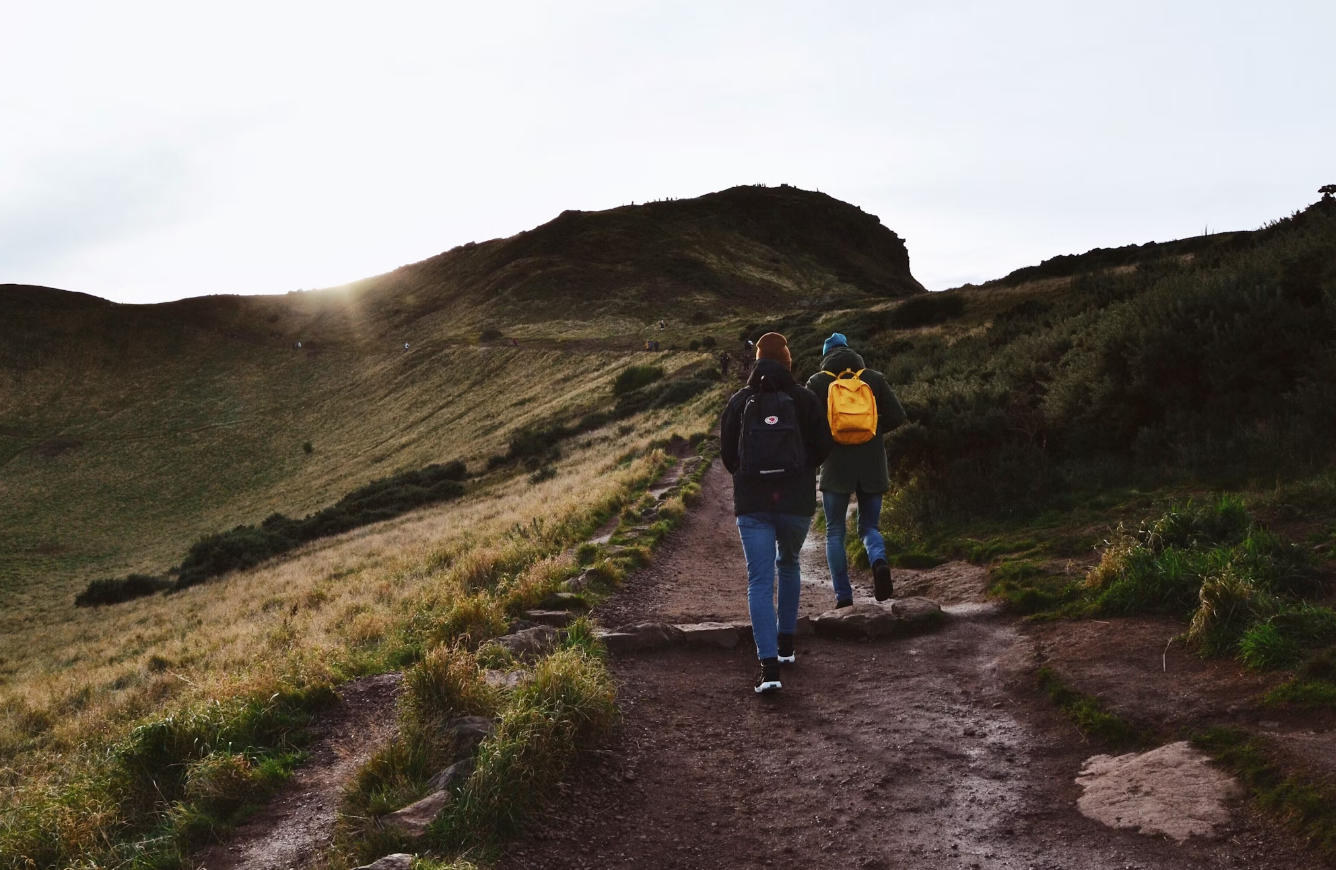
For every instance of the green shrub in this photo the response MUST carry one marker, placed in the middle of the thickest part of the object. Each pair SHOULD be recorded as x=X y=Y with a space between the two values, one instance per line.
x=664 y=394
x=246 y=546
x=926 y=310
x=634 y=377
x=693 y=345
x=114 y=590
x=1265 y=647
x=708 y=342
x=491 y=333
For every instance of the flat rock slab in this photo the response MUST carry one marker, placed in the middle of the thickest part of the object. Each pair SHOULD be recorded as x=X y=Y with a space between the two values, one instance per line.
x=643 y=637
x=896 y=618
x=531 y=642
x=566 y=600
x=1172 y=790
x=724 y=635
x=414 y=818
x=397 y=861
x=455 y=773
x=554 y=618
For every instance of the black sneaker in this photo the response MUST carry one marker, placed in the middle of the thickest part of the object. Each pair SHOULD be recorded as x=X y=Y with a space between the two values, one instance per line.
x=843 y=602
x=786 y=656
x=768 y=681
x=882 y=586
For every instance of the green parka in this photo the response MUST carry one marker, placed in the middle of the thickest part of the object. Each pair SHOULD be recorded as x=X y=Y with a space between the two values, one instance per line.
x=857 y=467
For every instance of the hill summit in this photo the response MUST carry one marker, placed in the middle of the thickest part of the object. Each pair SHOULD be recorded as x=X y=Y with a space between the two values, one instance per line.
x=742 y=249
x=739 y=251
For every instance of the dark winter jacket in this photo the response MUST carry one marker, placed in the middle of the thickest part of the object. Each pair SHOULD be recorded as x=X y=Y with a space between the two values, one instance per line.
x=794 y=494
x=857 y=467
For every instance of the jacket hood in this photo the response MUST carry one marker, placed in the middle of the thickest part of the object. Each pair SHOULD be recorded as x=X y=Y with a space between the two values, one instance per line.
x=777 y=372
x=842 y=358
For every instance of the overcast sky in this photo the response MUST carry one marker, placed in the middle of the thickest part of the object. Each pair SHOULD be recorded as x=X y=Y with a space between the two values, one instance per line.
x=152 y=151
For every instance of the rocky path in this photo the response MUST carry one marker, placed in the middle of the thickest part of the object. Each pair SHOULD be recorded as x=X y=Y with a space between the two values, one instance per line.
x=932 y=751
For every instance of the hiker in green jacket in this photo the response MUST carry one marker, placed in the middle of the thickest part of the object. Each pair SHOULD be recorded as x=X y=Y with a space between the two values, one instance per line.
x=855 y=470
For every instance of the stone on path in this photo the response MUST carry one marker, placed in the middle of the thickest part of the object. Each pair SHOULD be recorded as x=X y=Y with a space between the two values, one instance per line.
x=554 y=618
x=503 y=679
x=457 y=772
x=469 y=731
x=531 y=642
x=866 y=621
x=1172 y=790
x=414 y=818
x=566 y=600
x=397 y=861
x=721 y=634
x=641 y=638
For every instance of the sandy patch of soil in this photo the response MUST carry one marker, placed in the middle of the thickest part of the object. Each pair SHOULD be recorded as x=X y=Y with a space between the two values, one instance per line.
x=1172 y=790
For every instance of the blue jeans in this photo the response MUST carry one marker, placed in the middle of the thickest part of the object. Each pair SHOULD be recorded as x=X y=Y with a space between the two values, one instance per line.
x=771 y=541
x=836 y=506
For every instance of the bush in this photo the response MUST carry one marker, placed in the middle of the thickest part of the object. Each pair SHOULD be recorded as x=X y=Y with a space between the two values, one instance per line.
x=693 y=345
x=547 y=472
x=246 y=546
x=708 y=342
x=491 y=334
x=114 y=590
x=927 y=310
x=634 y=377
x=665 y=394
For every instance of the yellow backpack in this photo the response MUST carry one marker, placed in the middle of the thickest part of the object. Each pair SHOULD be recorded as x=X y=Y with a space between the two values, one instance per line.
x=851 y=408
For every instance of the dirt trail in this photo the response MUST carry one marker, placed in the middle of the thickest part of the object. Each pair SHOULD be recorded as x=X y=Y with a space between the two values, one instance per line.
x=925 y=752
x=296 y=826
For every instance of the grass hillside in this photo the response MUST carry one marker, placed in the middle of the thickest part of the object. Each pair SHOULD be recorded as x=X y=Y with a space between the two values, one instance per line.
x=127 y=431
x=1044 y=408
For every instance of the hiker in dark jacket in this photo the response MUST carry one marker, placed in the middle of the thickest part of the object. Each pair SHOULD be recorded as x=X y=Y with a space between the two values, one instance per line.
x=774 y=508
x=855 y=470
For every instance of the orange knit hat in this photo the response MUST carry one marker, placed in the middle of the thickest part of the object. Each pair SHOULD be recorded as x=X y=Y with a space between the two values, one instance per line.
x=776 y=347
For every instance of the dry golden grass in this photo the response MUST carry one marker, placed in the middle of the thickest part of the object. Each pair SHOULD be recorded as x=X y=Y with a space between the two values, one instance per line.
x=72 y=675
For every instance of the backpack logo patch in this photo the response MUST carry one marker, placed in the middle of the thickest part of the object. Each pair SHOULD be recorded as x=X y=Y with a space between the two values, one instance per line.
x=772 y=420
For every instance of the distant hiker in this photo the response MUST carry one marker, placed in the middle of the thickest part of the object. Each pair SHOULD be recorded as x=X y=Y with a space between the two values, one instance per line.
x=514 y=343
x=859 y=409
x=724 y=360
x=663 y=324
x=773 y=437
x=405 y=345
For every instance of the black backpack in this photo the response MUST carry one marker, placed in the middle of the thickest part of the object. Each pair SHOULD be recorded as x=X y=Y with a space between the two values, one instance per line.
x=771 y=443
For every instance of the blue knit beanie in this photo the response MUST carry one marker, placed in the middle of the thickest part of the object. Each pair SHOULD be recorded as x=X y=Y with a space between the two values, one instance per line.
x=835 y=340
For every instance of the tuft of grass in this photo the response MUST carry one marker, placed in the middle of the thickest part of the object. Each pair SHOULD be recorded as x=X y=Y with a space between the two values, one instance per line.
x=633 y=378
x=1088 y=713
x=1306 y=806
x=445 y=684
x=1028 y=589
x=567 y=704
